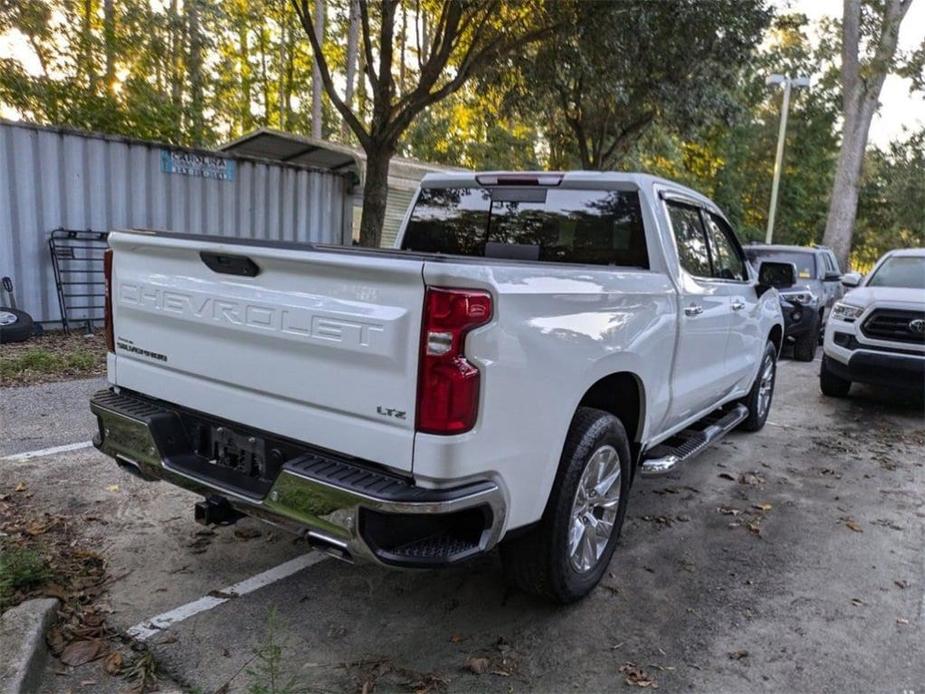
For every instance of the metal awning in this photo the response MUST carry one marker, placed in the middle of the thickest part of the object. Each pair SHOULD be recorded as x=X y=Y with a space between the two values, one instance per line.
x=296 y=149
x=291 y=148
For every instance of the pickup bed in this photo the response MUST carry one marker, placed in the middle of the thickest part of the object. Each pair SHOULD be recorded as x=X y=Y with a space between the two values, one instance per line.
x=532 y=343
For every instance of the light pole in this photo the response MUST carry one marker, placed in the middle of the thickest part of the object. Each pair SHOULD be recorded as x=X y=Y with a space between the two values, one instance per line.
x=788 y=83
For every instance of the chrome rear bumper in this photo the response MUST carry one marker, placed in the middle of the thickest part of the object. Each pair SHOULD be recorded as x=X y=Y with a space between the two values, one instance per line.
x=340 y=505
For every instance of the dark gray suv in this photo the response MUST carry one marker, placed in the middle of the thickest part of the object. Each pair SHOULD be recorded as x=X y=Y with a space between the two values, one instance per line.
x=806 y=304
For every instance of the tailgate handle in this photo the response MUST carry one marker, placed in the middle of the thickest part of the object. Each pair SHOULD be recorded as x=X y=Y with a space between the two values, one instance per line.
x=239 y=265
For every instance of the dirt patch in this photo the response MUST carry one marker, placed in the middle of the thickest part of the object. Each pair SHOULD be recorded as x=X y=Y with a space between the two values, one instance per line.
x=43 y=555
x=53 y=357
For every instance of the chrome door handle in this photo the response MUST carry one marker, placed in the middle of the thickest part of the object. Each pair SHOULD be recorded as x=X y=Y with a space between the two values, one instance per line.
x=693 y=310
x=738 y=305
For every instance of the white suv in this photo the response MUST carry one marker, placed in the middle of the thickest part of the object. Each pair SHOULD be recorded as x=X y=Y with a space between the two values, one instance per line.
x=876 y=333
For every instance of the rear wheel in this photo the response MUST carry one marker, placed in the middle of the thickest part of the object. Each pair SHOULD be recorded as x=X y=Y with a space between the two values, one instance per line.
x=831 y=383
x=566 y=554
x=758 y=400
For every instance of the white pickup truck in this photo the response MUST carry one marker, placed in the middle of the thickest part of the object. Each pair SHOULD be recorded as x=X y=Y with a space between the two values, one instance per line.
x=534 y=341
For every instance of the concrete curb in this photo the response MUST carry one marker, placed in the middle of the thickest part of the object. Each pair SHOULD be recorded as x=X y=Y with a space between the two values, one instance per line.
x=22 y=643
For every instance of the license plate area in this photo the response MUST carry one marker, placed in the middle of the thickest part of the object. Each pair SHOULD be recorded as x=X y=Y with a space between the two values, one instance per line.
x=242 y=452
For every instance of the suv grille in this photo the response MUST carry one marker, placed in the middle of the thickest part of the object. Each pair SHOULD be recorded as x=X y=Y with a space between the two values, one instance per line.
x=894 y=325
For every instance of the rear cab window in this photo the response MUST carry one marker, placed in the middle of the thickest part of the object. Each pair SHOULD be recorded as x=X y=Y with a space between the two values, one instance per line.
x=558 y=225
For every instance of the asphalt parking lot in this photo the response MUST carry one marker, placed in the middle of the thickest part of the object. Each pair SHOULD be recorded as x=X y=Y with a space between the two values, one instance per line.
x=787 y=560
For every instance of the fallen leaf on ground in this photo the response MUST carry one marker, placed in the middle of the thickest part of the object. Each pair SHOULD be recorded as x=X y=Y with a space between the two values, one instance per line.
x=727 y=476
x=113 y=663
x=477 y=665
x=902 y=584
x=763 y=507
x=751 y=478
x=738 y=655
x=857 y=602
x=456 y=638
x=112 y=488
x=637 y=677
x=729 y=511
x=852 y=524
x=80 y=652
x=902 y=620
x=21 y=487
x=244 y=533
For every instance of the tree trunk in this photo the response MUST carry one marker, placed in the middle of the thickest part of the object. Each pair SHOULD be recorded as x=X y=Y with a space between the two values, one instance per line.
x=194 y=67
x=176 y=43
x=861 y=87
x=281 y=77
x=353 y=48
x=843 y=207
x=375 y=195
x=317 y=87
x=109 y=43
x=244 y=105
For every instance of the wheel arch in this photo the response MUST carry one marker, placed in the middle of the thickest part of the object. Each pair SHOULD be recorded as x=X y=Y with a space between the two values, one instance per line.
x=623 y=395
x=776 y=335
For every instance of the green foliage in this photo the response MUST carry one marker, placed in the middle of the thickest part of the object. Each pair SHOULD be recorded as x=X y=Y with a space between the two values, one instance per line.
x=20 y=569
x=266 y=676
x=891 y=200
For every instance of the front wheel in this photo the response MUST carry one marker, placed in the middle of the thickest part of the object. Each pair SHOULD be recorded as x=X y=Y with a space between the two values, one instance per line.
x=567 y=553
x=805 y=347
x=830 y=383
x=758 y=400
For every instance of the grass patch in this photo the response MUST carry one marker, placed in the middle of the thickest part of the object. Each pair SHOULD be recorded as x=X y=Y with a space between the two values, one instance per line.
x=20 y=570
x=52 y=357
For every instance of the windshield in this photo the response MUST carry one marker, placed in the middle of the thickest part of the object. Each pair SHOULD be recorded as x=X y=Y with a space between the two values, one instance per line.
x=906 y=272
x=805 y=262
x=600 y=227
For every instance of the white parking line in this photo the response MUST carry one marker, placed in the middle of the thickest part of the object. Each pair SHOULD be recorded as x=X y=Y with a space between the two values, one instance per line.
x=46 y=451
x=148 y=628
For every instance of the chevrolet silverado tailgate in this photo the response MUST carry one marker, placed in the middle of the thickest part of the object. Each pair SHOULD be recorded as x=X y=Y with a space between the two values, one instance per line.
x=320 y=346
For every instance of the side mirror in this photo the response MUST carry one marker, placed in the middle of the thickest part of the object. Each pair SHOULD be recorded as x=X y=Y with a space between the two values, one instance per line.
x=831 y=277
x=851 y=279
x=777 y=275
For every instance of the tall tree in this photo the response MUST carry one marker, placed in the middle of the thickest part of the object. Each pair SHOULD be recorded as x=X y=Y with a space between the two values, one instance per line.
x=317 y=87
x=617 y=68
x=467 y=35
x=875 y=24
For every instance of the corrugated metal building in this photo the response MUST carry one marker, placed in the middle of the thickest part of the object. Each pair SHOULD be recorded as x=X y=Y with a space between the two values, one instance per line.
x=58 y=178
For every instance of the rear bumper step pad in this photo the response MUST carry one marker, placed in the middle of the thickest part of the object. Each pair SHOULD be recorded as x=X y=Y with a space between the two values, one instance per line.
x=342 y=506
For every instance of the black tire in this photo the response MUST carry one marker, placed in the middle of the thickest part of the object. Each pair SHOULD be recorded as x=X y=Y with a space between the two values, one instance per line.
x=756 y=416
x=539 y=562
x=831 y=383
x=19 y=330
x=804 y=349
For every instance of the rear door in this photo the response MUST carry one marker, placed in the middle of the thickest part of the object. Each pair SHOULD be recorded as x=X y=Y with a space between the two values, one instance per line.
x=317 y=346
x=699 y=377
x=744 y=343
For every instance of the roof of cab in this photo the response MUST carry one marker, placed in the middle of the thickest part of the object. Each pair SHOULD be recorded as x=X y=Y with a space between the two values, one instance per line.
x=908 y=252
x=641 y=180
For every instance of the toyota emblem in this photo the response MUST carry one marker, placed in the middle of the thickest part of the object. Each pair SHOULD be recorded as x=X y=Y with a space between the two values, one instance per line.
x=917 y=326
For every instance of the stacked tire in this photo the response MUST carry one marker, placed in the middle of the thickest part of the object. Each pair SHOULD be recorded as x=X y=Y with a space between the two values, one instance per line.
x=15 y=325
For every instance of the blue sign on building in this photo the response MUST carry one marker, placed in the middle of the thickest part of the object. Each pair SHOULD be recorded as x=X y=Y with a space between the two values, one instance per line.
x=197 y=164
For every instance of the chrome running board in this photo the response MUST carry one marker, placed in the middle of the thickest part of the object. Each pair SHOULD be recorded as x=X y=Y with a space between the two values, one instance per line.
x=687 y=444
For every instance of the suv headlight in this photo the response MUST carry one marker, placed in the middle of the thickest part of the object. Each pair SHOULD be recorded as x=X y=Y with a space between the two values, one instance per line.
x=846 y=312
x=801 y=298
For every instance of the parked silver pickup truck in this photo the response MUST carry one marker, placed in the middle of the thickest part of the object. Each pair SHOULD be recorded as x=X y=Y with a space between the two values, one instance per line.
x=534 y=341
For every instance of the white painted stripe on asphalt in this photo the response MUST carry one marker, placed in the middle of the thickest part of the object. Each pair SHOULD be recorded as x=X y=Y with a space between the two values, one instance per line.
x=148 y=628
x=46 y=451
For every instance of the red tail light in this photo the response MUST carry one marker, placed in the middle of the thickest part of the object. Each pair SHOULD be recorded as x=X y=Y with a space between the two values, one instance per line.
x=107 y=273
x=448 y=385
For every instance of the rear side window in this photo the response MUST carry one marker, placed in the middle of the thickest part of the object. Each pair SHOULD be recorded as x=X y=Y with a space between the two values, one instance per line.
x=691 y=239
x=598 y=227
x=727 y=263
